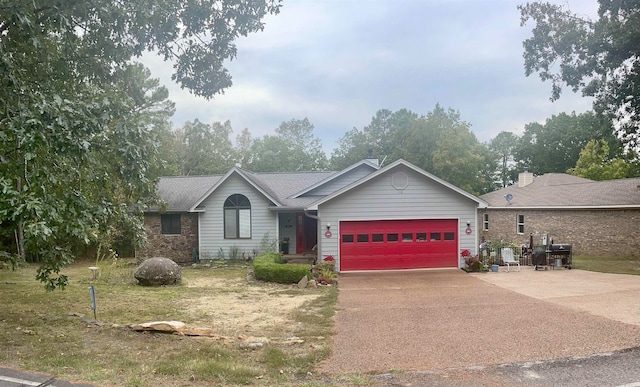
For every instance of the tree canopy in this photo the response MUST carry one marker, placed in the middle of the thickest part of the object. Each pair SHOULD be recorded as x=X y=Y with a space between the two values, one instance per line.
x=439 y=142
x=595 y=164
x=504 y=145
x=79 y=120
x=600 y=58
x=555 y=145
x=294 y=148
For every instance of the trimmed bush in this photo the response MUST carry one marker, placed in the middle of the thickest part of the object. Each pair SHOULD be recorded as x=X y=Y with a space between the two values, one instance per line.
x=267 y=268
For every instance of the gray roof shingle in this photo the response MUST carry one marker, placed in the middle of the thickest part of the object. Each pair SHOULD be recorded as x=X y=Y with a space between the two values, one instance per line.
x=563 y=190
x=182 y=192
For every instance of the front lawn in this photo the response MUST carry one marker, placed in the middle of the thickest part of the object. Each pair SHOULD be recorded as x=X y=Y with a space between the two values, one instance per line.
x=265 y=334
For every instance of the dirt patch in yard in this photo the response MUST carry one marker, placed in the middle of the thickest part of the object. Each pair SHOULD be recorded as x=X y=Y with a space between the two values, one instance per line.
x=231 y=306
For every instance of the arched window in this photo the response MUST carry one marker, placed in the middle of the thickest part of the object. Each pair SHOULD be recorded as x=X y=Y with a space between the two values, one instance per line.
x=237 y=217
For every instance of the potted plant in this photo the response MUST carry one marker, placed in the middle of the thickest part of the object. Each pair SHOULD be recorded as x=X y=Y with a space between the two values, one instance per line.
x=473 y=262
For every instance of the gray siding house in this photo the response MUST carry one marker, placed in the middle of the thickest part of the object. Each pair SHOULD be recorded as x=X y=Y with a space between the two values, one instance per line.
x=364 y=217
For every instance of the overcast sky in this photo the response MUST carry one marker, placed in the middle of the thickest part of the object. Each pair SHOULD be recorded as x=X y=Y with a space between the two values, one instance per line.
x=337 y=62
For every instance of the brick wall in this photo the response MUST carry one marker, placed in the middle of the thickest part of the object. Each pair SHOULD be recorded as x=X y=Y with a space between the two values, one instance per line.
x=590 y=232
x=175 y=247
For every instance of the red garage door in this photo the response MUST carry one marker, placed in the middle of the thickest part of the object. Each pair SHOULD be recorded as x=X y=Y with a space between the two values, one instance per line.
x=398 y=244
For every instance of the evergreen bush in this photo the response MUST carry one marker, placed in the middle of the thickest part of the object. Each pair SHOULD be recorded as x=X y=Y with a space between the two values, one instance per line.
x=270 y=267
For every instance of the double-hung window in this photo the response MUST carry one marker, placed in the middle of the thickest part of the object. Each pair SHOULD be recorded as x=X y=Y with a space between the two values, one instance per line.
x=520 y=224
x=237 y=217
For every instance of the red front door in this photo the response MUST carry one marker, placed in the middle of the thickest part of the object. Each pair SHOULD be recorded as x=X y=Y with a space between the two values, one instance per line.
x=306 y=233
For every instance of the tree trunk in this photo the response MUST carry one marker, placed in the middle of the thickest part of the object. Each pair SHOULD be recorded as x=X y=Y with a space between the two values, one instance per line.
x=20 y=231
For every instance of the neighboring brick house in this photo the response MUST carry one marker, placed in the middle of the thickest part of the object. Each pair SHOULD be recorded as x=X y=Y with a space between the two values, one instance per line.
x=595 y=217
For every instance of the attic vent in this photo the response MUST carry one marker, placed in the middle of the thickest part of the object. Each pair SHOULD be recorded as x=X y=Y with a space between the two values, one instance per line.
x=524 y=179
x=399 y=181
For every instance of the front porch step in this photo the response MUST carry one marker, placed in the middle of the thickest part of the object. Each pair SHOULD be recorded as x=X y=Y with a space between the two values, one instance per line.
x=300 y=258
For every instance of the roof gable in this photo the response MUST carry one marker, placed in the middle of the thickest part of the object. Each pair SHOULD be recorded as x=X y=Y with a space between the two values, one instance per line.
x=243 y=174
x=339 y=179
x=356 y=170
x=390 y=167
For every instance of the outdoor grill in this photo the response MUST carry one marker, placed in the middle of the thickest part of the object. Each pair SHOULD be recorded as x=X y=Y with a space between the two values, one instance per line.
x=539 y=257
x=560 y=255
x=553 y=255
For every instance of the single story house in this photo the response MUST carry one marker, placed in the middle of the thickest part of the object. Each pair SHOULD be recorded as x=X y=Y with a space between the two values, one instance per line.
x=595 y=217
x=366 y=217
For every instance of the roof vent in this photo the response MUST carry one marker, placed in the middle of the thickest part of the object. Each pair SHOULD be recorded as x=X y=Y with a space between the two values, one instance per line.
x=524 y=179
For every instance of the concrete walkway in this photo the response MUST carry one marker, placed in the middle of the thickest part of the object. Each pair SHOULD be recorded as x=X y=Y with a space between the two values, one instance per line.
x=441 y=319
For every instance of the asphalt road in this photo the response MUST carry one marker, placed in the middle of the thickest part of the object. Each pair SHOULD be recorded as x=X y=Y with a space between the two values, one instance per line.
x=611 y=369
x=13 y=378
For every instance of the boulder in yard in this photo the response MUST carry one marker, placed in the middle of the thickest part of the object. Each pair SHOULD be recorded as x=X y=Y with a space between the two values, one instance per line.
x=158 y=271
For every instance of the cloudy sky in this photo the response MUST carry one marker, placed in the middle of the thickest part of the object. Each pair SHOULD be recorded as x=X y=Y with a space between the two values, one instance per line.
x=337 y=62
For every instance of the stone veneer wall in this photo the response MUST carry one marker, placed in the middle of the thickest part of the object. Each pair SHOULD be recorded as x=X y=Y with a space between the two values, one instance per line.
x=590 y=232
x=175 y=247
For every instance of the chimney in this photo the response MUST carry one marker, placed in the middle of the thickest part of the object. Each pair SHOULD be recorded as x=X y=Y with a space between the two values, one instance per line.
x=371 y=158
x=525 y=178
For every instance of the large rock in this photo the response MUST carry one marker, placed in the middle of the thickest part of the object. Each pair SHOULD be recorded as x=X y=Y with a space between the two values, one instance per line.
x=158 y=271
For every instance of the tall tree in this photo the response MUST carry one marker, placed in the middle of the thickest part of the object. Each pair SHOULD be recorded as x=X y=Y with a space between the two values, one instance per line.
x=294 y=148
x=244 y=141
x=504 y=144
x=555 y=145
x=381 y=137
x=75 y=144
x=594 y=163
x=443 y=144
x=600 y=58
x=440 y=143
x=205 y=149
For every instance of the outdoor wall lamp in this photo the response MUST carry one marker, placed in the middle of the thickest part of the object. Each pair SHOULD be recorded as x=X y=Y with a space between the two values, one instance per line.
x=328 y=226
x=468 y=223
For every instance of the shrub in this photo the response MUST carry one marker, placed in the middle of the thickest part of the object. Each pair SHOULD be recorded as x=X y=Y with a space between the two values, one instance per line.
x=269 y=267
x=498 y=245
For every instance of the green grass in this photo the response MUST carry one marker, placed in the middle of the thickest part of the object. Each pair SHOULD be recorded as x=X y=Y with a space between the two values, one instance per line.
x=44 y=331
x=616 y=265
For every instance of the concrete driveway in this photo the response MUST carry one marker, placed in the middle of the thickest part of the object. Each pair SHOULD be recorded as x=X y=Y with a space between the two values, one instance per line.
x=440 y=319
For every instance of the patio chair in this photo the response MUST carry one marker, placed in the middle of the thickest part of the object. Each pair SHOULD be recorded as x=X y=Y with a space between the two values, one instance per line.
x=508 y=259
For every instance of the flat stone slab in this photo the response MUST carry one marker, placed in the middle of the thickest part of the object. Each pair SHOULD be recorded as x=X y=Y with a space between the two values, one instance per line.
x=160 y=326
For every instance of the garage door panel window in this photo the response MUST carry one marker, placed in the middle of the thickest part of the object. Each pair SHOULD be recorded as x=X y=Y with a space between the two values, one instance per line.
x=407 y=237
x=347 y=238
x=449 y=236
x=435 y=236
x=392 y=237
x=421 y=236
x=377 y=238
x=363 y=238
